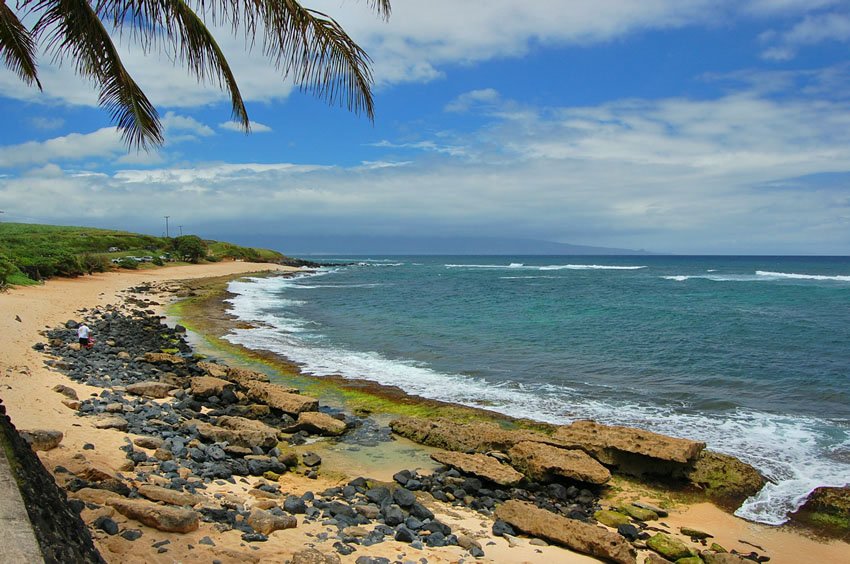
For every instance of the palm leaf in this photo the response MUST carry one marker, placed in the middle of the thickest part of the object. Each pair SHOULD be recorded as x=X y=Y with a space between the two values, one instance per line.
x=149 y=20
x=74 y=30
x=17 y=46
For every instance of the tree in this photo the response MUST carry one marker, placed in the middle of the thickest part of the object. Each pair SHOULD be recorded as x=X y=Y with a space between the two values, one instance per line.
x=189 y=248
x=307 y=45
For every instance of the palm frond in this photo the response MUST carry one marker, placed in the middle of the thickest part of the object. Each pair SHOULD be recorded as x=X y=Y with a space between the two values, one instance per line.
x=74 y=30
x=17 y=46
x=319 y=55
x=152 y=21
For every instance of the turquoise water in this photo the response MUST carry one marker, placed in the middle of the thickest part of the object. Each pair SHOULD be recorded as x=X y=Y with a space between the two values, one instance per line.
x=750 y=354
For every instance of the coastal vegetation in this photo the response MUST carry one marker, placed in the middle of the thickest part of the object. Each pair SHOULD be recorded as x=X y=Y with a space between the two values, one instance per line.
x=30 y=253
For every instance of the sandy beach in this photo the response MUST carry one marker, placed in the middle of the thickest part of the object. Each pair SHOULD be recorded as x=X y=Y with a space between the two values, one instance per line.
x=26 y=389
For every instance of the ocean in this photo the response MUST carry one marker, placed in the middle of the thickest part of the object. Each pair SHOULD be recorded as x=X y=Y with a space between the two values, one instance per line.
x=749 y=354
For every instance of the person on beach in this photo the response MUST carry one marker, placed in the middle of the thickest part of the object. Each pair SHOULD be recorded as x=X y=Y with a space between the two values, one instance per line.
x=83 y=334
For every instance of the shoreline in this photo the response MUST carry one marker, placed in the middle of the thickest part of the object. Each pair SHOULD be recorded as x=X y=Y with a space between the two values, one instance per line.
x=33 y=405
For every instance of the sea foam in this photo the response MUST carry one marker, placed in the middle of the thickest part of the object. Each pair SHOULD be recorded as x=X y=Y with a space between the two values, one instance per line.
x=518 y=265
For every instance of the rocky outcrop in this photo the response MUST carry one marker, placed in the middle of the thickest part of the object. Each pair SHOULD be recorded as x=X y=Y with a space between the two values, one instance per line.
x=42 y=439
x=160 y=517
x=316 y=422
x=827 y=507
x=155 y=390
x=172 y=497
x=480 y=465
x=237 y=431
x=724 y=477
x=275 y=397
x=110 y=422
x=574 y=534
x=461 y=437
x=207 y=386
x=213 y=369
x=545 y=462
x=243 y=376
x=607 y=443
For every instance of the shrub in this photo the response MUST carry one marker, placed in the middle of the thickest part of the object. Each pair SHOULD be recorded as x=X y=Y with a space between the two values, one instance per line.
x=127 y=262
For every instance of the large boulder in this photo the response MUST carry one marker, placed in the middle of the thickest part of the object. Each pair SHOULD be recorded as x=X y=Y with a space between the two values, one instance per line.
x=42 y=439
x=172 y=497
x=160 y=517
x=826 y=508
x=462 y=437
x=157 y=390
x=109 y=422
x=237 y=431
x=317 y=422
x=266 y=522
x=575 y=535
x=480 y=465
x=724 y=477
x=276 y=397
x=544 y=462
x=243 y=376
x=206 y=386
x=163 y=358
x=607 y=442
x=213 y=369
x=669 y=547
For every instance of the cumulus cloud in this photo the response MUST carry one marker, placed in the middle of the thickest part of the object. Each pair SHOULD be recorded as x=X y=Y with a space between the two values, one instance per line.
x=101 y=143
x=256 y=127
x=740 y=173
x=811 y=30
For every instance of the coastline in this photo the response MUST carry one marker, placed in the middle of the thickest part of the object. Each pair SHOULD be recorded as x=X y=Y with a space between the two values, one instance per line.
x=30 y=401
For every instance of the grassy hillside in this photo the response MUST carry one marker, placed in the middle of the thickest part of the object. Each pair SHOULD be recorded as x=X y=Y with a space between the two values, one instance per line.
x=30 y=252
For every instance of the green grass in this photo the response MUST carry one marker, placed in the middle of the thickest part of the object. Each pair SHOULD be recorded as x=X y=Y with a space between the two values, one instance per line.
x=32 y=252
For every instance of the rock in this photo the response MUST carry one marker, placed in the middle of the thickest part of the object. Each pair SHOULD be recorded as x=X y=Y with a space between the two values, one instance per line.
x=690 y=560
x=480 y=465
x=723 y=558
x=695 y=533
x=826 y=507
x=311 y=459
x=638 y=513
x=72 y=404
x=643 y=505
x=669 y=546
x=131 y=534
x=42 y=439
x=543 y=462
x=652 y=558
x=110 y=422
x=92 y=495
x=295 y=505
x=313 y=556
x=156 y=493
x=319 y=423
x=266 y=522
x=206 y=386
x=274 y=396
x=106 y=525
x=157 y=390
x=237 y=431
x=403 y=497
x=243 y=376
x=725 y=477
x=213 y=369
x=629 y=531
x=163 y=358
x=574 y=534
x=461 y=437
x=160 y=517
x=71 y=324
x=69 y=393
x=152 y=443
x=607 y=442
x=611 y=518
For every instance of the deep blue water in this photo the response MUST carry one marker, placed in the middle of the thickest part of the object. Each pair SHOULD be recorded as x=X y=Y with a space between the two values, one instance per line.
x=750 y=354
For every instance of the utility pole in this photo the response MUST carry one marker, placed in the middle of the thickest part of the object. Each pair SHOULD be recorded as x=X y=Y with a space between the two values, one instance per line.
x=166 y=226
x=181 y=230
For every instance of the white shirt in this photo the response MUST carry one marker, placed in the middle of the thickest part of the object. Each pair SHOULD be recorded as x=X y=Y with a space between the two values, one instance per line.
x=83 y=331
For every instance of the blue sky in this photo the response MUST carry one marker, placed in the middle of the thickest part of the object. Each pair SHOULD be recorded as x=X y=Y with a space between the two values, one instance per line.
x=685 y=126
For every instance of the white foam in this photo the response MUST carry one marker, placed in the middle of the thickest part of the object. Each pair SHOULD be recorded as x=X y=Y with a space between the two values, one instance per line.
x=795 y=276
x=519 y=265
x=788 y=450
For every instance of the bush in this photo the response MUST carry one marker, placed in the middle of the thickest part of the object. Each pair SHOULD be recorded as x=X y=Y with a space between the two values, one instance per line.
x=7 y=269
x=190 y=248
x=157 y=260
x=94 y=263
x=127 y=262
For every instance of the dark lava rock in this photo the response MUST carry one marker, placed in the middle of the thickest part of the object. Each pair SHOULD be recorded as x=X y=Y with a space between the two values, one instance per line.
x=403 y=476
x=254 y=537
x=393 y=515
x=295 y=505
x=106 y=525
x=378 y=495
x=131 y=534
x=629 y=531
x=206 y=540
x=344 y=549
x=403 y=534
x=403 y=497
x=421 y=512
x=311 y=459
x=502 y=528
x=372 y=560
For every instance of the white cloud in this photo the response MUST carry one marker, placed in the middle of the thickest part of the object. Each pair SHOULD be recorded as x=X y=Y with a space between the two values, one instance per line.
x=105 y=142
x=47 y=123
x=256 y=127
x=811 y=30
x=468 y=100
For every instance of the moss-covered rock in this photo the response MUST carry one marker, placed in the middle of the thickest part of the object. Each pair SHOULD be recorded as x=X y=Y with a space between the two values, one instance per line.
x=724 y=478
x=669 y=547
x=828 y=510
x=611 y=518
x=638 y=513
x=690 y=560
